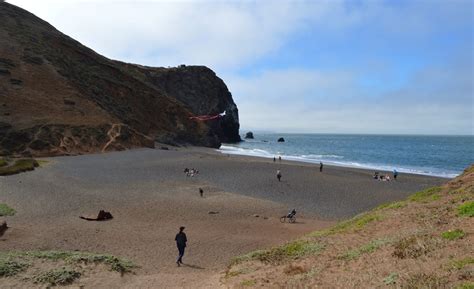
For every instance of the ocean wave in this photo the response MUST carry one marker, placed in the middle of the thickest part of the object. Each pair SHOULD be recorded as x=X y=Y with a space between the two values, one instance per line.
x=335 y=160
x=318 y=157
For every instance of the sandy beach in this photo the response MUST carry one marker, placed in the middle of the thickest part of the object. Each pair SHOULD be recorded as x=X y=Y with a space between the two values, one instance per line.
x=150 y=197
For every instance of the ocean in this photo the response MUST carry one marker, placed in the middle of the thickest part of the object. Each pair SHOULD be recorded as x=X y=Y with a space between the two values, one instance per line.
x=441 y=156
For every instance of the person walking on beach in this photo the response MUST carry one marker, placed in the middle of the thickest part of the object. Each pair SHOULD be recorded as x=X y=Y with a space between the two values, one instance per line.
x=278 y=175
x=181 y=244
x=279 y=159
x=201 y=192
x=395 y=174
x=321 y=166
x=274 y=159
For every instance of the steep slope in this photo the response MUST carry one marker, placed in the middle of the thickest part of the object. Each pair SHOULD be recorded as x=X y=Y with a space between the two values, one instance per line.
x=60 y=97
x=423 y=242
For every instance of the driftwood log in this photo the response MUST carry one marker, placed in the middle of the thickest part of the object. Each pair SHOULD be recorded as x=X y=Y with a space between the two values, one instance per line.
x=102 y=216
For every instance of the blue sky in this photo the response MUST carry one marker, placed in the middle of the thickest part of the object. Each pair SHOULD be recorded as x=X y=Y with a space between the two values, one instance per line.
x=392 y=67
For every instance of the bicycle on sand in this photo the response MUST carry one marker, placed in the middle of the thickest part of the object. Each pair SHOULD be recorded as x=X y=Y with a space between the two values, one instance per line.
x=291 y=217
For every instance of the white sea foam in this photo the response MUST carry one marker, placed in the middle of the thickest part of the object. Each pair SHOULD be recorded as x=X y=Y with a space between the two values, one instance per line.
x=334 y=160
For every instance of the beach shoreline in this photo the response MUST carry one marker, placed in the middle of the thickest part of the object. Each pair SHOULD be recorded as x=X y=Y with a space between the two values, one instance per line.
x=150 y=196
x=232 y=150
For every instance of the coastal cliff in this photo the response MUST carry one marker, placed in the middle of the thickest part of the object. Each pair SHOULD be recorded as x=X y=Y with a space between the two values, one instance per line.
x=58 y=97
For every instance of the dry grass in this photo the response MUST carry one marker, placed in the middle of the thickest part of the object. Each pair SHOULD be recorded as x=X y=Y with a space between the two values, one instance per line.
x=406 y=244
x=415 y=246
x=423 y=280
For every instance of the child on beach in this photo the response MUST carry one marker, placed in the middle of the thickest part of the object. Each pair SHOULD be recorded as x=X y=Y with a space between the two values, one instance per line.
x=278 y=175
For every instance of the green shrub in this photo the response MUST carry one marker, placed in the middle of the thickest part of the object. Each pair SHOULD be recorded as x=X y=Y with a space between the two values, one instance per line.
x=11 y=267
x=3 y=162
x=356 y=223
x=116 y=264
x=6 y=210
x=19 y=166
x=61 y=276
x=453 y=235
x=365 y=249
x=466 y=285
x=248 y=283
x=291 y=250
x=461 y=263
x=394 y=205
x=431 y=194
x=466 y=209
x=390 y=279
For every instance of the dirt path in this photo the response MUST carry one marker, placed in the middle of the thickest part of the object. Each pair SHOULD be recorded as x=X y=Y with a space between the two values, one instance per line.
x=113 y=133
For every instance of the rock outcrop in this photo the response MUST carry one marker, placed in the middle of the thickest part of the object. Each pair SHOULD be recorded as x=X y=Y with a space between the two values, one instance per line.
x=249 y=135
x=281 y=140
x=58 y=97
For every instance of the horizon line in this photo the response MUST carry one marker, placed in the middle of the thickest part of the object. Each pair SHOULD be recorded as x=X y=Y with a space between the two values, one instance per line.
x=241 y=131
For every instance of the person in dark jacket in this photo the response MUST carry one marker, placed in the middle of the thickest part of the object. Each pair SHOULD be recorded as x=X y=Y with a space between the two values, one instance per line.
x=321 y=166
x=181 y=243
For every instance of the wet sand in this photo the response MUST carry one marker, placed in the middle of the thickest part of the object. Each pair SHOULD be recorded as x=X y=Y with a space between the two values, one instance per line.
x=150 y=197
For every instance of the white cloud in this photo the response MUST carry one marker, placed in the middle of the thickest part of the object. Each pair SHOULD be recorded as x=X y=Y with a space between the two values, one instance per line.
x=217 y=34
x=229 y=35
x=333 y=102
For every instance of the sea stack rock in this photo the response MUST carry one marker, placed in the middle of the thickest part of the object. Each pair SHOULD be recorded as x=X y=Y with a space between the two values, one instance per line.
x=249 y=135
x=281 y=140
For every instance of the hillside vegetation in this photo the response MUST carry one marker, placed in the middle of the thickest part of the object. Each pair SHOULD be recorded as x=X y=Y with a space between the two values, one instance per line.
x=425 y=241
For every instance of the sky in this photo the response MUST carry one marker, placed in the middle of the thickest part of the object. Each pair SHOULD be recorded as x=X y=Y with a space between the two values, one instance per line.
x=358 y=66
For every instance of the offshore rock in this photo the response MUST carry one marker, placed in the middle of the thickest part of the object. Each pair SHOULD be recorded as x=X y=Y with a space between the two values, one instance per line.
x=249 y=135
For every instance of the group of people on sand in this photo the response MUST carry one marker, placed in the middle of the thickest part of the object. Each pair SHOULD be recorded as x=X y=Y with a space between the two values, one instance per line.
x=386 y=177
x=191 y=172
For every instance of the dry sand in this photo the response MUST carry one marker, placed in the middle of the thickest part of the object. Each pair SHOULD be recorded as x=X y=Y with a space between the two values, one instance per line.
x=150 y=197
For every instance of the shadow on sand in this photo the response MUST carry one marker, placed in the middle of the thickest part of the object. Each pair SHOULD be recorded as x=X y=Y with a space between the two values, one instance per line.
x=192 y=266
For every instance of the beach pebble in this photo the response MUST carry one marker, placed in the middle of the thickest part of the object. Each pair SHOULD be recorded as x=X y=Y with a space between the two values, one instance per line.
x=256 y=215
x=213 y=212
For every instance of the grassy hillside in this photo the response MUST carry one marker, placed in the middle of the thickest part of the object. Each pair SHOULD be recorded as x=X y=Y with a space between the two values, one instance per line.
x=425 y=241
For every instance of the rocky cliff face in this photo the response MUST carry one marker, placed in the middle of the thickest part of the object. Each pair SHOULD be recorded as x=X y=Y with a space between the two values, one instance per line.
x=59 y=97
x=201 y=92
